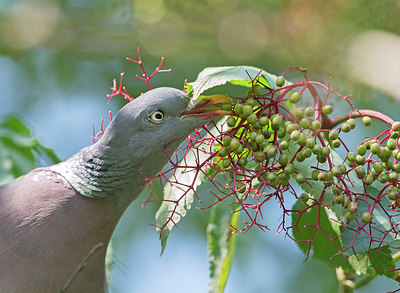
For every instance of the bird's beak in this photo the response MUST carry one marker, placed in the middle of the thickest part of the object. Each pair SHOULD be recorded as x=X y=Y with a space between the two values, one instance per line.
x=200 y=109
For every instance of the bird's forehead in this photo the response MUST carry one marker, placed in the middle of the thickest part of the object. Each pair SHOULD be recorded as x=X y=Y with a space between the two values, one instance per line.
x=168 y=99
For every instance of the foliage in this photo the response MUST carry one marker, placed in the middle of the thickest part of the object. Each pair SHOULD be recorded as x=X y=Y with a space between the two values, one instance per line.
x=20 y=152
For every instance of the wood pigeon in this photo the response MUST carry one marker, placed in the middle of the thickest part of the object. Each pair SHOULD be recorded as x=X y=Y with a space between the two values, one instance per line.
x=56 y=222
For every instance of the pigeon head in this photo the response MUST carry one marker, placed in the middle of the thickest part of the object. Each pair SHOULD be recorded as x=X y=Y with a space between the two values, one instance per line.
x=157 y=120
x=137 y=143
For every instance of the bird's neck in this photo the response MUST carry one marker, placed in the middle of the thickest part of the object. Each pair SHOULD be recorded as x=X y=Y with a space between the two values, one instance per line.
x=95 y=174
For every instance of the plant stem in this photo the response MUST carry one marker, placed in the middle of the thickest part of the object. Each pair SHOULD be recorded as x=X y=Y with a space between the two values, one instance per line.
x=345 y=284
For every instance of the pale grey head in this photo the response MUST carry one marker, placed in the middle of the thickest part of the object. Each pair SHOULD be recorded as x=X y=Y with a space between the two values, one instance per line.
x=137 y=143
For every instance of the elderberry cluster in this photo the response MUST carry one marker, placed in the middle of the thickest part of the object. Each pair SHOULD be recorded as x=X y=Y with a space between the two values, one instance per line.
x=269 y=135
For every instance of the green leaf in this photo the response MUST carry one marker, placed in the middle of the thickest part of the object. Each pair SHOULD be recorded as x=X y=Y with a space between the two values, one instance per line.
x=238 y=75
x=378 y=261
x=178 y=200
x=221 y=244
x=20 y=152
x=317 y=232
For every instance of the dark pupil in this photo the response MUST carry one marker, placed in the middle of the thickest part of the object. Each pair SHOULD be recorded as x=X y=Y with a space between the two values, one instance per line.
x=158 y=116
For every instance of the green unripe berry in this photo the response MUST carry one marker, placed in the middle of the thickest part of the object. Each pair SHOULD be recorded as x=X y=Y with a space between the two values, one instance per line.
x=284 y=160
x=366 y=217
x=383 y=178
x=378 y=167
x=247 y=110
x=391 y=144
x=226 y=107
x=369 y=179
x=231 y=121
x=388 y=164
x=277 y=121
x=323 y=176
x=267 y=134
x=300 y=157
x=393 y=176
x=292 y=127
x=280 y=81
x=281 y=133
x=361 y=150
x=393 y=194
x=304 y=123
x=360 y=160
x=396 y=126
x=257 y=90
x=339 y=199
x=327 y=109
x=345 y=127
x=396 y=168
x=300 y=178
x=252 y=118
x=295 y=135
x=309 y=112
x=304 y=197
x=343 y=169
x=259 y=156
x=360 y=172
x=325 y=151
x=257 y=125
x=235 y=144
x=352 y=206
x=366 y=120
x=350 y=216
x=242 y=162
x=263 y=120
x=295 y=97
x=253 y=136
x=239 y=150
x=306 y=152
x=289 y=168
x=238 y=109
x=251 y=102
x=226 y=140
x=351 y=156
x=336 y=171
x=317 y=149
x=375 y=148
x=223 y=152
x=315 y=174
x=302 y=140
x=299 y=112
x=283 y=145
x=259 y=138
x=316 y=125
x=310 y=142
x=333 y=134
x=226 y=163
x=336 y=143
x=240 y=187
x=272 y=152
x=351 y=122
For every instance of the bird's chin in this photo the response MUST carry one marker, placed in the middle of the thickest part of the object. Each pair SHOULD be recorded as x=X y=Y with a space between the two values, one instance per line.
x=201 y=111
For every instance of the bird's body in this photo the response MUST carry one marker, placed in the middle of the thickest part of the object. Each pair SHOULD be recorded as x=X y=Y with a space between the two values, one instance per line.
x=51 y=218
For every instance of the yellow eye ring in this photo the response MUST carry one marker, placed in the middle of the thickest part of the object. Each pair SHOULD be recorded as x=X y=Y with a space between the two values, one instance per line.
x=157 y=116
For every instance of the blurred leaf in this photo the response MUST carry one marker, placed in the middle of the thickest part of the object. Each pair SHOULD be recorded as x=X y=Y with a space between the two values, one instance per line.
x=221 y=244
x=19 y=151
x=178 y=200
x=238 y=75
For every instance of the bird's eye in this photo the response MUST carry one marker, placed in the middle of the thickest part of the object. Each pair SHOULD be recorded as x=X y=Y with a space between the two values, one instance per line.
x=157 y=116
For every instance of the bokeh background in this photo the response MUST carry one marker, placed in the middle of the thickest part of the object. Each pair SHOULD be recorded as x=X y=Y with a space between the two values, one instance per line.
x=58 y=59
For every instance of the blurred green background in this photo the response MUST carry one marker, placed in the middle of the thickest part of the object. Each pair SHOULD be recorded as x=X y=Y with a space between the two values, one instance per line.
x=58 y=59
